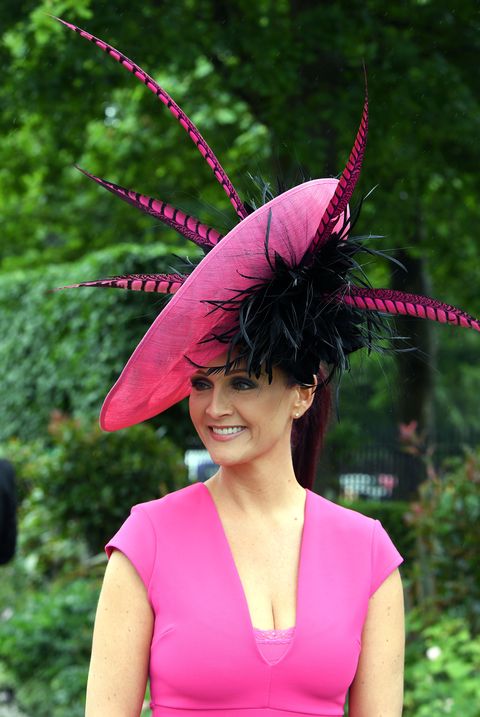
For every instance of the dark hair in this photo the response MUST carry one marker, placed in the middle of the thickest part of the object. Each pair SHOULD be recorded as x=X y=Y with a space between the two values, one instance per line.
x=308 y=433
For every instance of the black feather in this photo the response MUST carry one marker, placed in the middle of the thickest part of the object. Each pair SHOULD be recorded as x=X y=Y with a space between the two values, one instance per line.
x=294 y=319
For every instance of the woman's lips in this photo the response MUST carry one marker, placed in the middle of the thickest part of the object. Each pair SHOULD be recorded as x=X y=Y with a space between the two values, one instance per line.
x=225 y=433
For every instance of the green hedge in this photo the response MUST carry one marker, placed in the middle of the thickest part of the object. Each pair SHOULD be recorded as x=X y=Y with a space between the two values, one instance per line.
x=45 y=648
x=445 y=521
x=81 y=482
x=64 y=350
x=442 y=667
x=76 y=487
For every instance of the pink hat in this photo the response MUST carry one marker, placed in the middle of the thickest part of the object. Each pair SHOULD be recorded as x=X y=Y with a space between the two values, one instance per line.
x=283 y=287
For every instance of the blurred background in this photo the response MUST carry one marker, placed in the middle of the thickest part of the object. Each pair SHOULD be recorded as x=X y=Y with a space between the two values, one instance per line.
x=276 y=88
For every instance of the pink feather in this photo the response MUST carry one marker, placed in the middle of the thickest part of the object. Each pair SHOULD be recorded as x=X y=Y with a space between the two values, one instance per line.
x=188 y=226
x=176 y=111
x=158 y=283
x=347 y=182
x=394 y=302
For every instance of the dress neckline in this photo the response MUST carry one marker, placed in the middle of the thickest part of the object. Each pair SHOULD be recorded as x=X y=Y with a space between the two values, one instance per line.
x=242 y=597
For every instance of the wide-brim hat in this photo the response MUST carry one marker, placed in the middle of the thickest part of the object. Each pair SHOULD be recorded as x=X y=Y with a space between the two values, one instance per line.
x=282 y=255
x=157 y=374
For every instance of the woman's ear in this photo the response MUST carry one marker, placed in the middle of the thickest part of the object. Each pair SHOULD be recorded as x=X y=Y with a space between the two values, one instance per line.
x=304 y=398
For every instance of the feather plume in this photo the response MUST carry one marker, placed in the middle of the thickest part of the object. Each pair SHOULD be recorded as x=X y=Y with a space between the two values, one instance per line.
x=393 y=302
x=177 y=112
x=294 y=319
x=190 y=227
x=346 y=185
x=156 y=283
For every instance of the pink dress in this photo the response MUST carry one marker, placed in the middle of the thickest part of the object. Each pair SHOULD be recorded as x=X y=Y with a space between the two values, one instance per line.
x=206 y=657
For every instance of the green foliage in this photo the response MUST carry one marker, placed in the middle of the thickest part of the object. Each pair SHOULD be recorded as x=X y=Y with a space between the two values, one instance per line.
x=64 y=350
x=68 y=105
x=32 y=462
x=445 y=522
x=44 y=547
x=458 y=383
x=100 y=475
x=427 y=170
x=76 y=489
x=442 y=668
x=85 y=487
x=63 y=102
x=45 y=647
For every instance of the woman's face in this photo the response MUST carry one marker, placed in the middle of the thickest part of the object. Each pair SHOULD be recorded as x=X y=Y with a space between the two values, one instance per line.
x=240 y=418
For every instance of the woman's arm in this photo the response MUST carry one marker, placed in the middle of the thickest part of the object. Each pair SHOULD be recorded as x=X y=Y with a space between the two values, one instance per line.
x=121 y=643
x=377 y=690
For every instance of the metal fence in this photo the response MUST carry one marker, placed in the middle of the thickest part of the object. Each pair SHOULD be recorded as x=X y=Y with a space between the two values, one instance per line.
x=380 y=472
x=386 y=471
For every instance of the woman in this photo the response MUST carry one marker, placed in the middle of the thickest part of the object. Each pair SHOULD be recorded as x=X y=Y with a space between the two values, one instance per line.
x=250 y=594
x=246 y=425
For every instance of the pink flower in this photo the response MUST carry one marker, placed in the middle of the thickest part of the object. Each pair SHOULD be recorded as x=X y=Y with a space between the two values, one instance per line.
x=408 y=432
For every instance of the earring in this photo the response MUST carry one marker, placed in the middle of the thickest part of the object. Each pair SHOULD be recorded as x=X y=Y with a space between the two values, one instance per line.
x=297 y=415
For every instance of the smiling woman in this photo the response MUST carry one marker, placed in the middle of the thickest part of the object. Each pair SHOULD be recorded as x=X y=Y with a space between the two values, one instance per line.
x=250 y=595
x=296 y=599
x=303 y=437
x=231 y=408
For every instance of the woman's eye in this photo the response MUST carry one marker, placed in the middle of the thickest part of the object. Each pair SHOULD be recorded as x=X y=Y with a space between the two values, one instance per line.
x=241 y=384
x=200 y=384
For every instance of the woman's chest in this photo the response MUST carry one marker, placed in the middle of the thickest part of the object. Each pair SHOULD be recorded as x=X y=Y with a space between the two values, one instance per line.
x=267 y=562
x=213 y=584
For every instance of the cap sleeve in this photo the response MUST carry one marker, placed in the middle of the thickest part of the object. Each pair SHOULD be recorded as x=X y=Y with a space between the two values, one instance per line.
x=136 y=540
x=385 y=556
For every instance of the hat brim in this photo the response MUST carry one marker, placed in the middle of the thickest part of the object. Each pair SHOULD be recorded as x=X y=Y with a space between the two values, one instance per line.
x=157 y=375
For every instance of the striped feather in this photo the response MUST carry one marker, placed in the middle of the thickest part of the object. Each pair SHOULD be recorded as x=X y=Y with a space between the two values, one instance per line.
x=190 y=227
x=346 y=185
x=157 y=283
x=393 y=302
x=176 y=111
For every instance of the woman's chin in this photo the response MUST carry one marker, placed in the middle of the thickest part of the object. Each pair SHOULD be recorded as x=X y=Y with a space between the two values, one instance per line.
x=224 y=458
x=227 y=456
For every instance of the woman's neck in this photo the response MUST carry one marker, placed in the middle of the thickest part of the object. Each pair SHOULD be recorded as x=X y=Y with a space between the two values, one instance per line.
x=258 y=491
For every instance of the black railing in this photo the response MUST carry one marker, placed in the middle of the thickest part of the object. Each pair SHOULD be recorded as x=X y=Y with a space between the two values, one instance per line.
x=386 y=470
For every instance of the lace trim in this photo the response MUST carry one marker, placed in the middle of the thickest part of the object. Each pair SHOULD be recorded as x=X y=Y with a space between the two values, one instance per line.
x=278 y=636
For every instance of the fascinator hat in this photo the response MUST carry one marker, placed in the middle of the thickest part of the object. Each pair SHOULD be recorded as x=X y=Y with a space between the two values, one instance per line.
x=283 y=288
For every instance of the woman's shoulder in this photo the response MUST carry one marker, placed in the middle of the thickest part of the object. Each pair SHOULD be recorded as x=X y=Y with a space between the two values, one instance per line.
x=355 y=538
x=342 y=517
x=174 y=503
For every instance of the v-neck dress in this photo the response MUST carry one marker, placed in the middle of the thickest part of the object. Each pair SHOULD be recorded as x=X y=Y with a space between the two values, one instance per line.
x=205 y=655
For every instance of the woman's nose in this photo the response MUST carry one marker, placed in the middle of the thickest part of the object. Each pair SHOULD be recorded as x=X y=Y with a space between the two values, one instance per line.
x=219 y=405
